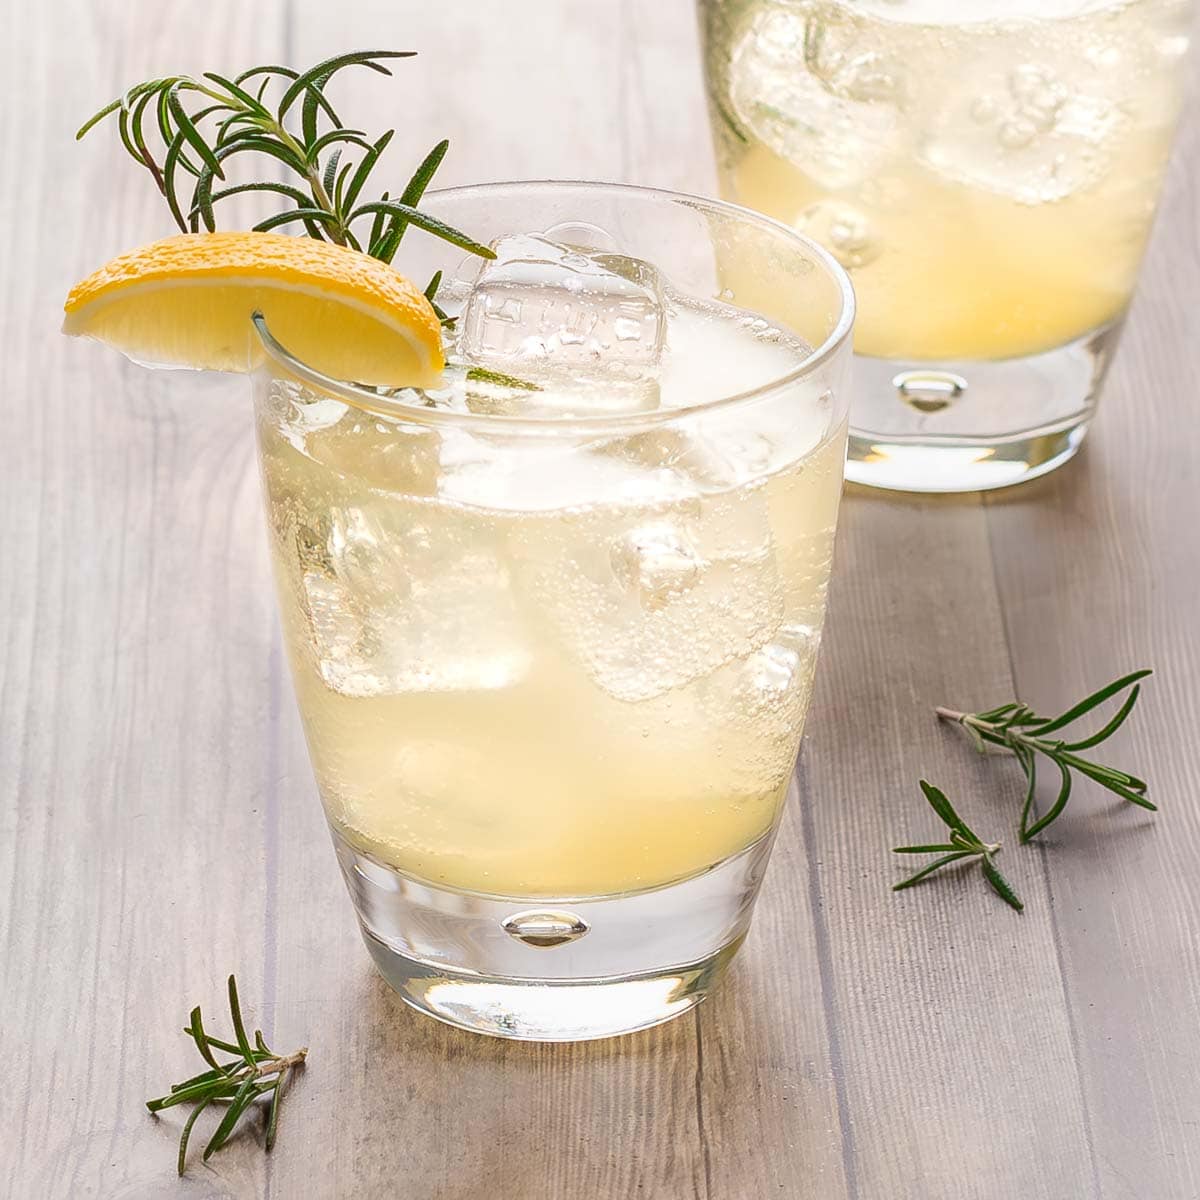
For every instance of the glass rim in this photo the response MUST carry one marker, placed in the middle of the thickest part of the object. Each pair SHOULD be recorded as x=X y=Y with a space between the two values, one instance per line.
x=361 y=397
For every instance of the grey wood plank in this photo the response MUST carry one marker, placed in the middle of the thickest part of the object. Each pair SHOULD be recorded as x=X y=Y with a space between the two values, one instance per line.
x=132 y=670
x=953 y=1042
x=768 y=1062
x=1099 y=569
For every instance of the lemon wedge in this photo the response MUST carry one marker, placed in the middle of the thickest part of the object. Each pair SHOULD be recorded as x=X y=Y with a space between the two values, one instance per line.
x=187 y=301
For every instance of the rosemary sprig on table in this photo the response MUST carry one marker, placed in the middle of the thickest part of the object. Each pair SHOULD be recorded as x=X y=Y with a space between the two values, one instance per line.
x=257 y=1074
x=1017 y=728
x=202 y=123
x=963 y=844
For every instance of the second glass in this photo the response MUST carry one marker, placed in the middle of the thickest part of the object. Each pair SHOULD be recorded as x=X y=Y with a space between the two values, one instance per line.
x=553 y=649
x=987 y=170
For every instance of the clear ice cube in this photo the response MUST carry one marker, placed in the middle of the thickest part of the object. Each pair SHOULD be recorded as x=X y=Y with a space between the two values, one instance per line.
x=647 y=602
x=803 y=83
x=397 y=590
x=656 y=562
x=1034 y=131
x=411 y=605
x=567 y=319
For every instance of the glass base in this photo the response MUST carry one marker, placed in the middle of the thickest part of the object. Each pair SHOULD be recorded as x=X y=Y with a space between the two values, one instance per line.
x=537 y=1010
x=959 y=464
x=975 y=425
x=553 y=969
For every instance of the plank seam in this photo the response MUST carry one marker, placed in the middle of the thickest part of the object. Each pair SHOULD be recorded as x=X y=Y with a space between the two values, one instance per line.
x=826 y=975
x=705 y=1156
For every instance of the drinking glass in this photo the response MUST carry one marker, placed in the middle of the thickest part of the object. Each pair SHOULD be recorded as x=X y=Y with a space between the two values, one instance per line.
x=553 y=670
x=987 y=171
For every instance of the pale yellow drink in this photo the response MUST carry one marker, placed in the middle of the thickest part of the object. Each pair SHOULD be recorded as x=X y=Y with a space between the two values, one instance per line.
x=986 y=169
x=535 y=668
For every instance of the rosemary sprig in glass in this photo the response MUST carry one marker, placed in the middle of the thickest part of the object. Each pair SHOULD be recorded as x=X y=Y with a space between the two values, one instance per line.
x=256 y=1074
x=963 y=843
x=1017 y=728
x=200 y=124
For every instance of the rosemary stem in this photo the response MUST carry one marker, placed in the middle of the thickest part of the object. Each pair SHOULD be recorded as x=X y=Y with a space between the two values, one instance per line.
x=320 y=195
x=275 y=1066
x=313 y=175
x=948 y=714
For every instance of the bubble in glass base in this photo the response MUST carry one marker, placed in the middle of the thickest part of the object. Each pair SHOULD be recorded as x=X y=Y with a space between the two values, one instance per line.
x=642 y=957
x=964 y=426
x=533 y=1010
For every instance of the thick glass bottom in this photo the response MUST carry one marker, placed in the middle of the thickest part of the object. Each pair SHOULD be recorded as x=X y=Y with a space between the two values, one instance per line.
x=554 y=968
x=539 y=1010
x=959 y=464
x=972 y=426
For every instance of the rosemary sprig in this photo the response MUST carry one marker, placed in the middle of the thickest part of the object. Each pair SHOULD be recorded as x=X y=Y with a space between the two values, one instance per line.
x=1017 y=728
x=200 y=124
x=963 y=844
x=257 y=1074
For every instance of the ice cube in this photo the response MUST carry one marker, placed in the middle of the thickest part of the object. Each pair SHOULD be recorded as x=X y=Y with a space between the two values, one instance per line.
x=412 y=602
x=582 y=235
x=699 y=464
x=806 y=83
x=395 y=589
x=379 y=452
x=656 y=562
x=541 y=307
x=1032 y=131
x=646 y=601
x=718 y=451
x=760 y=700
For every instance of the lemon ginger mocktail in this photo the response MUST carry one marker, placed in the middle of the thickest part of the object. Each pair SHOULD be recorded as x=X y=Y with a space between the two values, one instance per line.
x=553 y=619
x=987 y=170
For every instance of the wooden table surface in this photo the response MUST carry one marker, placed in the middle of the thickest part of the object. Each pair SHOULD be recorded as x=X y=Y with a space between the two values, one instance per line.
x=159 y=825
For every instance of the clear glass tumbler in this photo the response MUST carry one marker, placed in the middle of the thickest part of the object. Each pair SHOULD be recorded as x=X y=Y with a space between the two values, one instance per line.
x=987 y=170
x=553 y=669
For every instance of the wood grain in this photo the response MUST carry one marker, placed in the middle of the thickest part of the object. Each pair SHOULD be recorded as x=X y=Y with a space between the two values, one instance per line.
x=159 y=826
